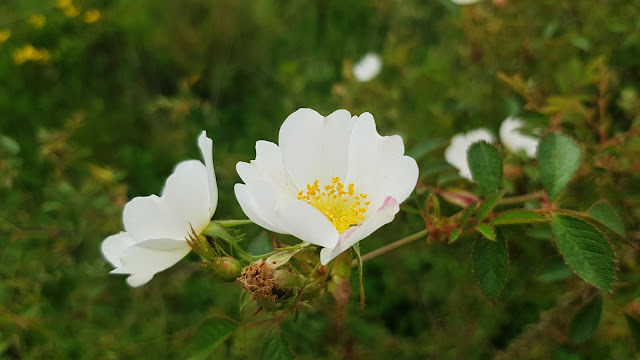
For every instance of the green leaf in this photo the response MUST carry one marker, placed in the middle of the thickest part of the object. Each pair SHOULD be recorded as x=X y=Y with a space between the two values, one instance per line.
x=518 y=216
x=585 y=322
x=486 y=166
x=466 y=215
x=487 y=231
x=586 y=250
x=276 y=347
x=555 y=272
x=489 y=260
x=559 y=158
x=425 y=147
x=488 y=204
x=455 y=234
x=604 y=213
x=634 y=329
x=210 y=335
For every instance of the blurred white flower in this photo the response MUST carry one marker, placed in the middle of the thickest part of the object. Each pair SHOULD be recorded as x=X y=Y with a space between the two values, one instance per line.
x=156 y=227
x=465 y=2
x=456 y=153
x=514 y=140
x=332 y=181
x=368 y=67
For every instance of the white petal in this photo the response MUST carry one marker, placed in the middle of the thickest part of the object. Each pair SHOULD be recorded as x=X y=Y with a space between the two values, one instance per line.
x=144 y=259
x=382 y=216
x=113 y=246
x=514 y=140
x=368 y=67
x=307 y=223
x=206 y=147
x=315 y=147
x=377 y=165
x=186 y=193
x=259 y=208
x=268 y=167
x=184 y=204
x=456 y=153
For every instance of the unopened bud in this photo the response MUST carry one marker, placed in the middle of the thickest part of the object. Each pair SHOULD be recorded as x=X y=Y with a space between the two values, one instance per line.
x=223 y=268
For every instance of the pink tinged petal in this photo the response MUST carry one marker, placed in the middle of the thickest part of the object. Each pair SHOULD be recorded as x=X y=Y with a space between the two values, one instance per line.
x=382 y=216
x=307 y=223
x=206 y=147
x=145 y=259
x=315 y=147
x=258 y=205
x=113 y=246
x=377 y=165
x=268 y=167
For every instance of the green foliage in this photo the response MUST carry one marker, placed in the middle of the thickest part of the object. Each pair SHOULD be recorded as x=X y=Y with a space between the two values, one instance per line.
x=518 y=216
x=586 y=320
x=211 y=333
x=276 y=347
x=486 y=166
x=559 y=158
x=488 y=204
x=487 y=231
x=585 y=250
x=490 y=263
x=633 y=325
x=604 y=213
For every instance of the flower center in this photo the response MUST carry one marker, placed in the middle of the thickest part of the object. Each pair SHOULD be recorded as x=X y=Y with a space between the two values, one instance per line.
x=340 y=205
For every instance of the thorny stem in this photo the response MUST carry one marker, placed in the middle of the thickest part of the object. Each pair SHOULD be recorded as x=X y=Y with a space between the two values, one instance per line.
x=396 y=244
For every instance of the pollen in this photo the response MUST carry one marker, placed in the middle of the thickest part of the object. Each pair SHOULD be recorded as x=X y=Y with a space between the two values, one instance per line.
x=341 y=205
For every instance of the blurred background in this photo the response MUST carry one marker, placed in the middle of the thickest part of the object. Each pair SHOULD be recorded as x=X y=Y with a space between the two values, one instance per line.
x=100 y=99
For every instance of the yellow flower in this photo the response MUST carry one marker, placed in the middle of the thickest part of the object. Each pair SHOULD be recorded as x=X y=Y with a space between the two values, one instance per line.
x=30 y=53
x=37 y=20
x=4 y=36
x=63 y=4
x=71 y=11
x=91 y=16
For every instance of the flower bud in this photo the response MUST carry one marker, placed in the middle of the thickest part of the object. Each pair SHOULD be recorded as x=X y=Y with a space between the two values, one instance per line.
x=223 y=268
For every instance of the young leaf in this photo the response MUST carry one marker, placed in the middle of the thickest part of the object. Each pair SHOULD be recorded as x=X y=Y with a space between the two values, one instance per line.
x=486 y=166
x=489 y=260
x=559 y=158
x=488 y=204
x=466 y=214
x=585 y=322
x=276 y=347
x=487 y=231
x=210 y=335
x=455 y=234
x=586 y=250
x=604 y=213
x=518 y=216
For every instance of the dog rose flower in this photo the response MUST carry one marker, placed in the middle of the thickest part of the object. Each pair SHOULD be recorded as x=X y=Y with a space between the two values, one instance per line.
x=456 y=153
x=156 y=227
x=331 y=181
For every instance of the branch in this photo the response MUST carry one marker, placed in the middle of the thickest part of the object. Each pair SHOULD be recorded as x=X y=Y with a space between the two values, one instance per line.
x=396 y=244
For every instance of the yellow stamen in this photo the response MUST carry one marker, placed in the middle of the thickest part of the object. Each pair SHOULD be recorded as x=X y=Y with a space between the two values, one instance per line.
x=343 y=208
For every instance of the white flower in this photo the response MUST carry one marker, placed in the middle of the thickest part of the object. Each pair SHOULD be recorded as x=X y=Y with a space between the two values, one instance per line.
x=456 y=153
x=156 y=227
x=465 y=2
x=514 y=140
x=332 y=181
x=368 y=67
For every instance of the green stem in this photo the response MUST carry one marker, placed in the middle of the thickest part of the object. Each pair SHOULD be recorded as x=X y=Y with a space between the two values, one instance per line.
x=232 y=223
x=396 y=244
x=520 y=198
